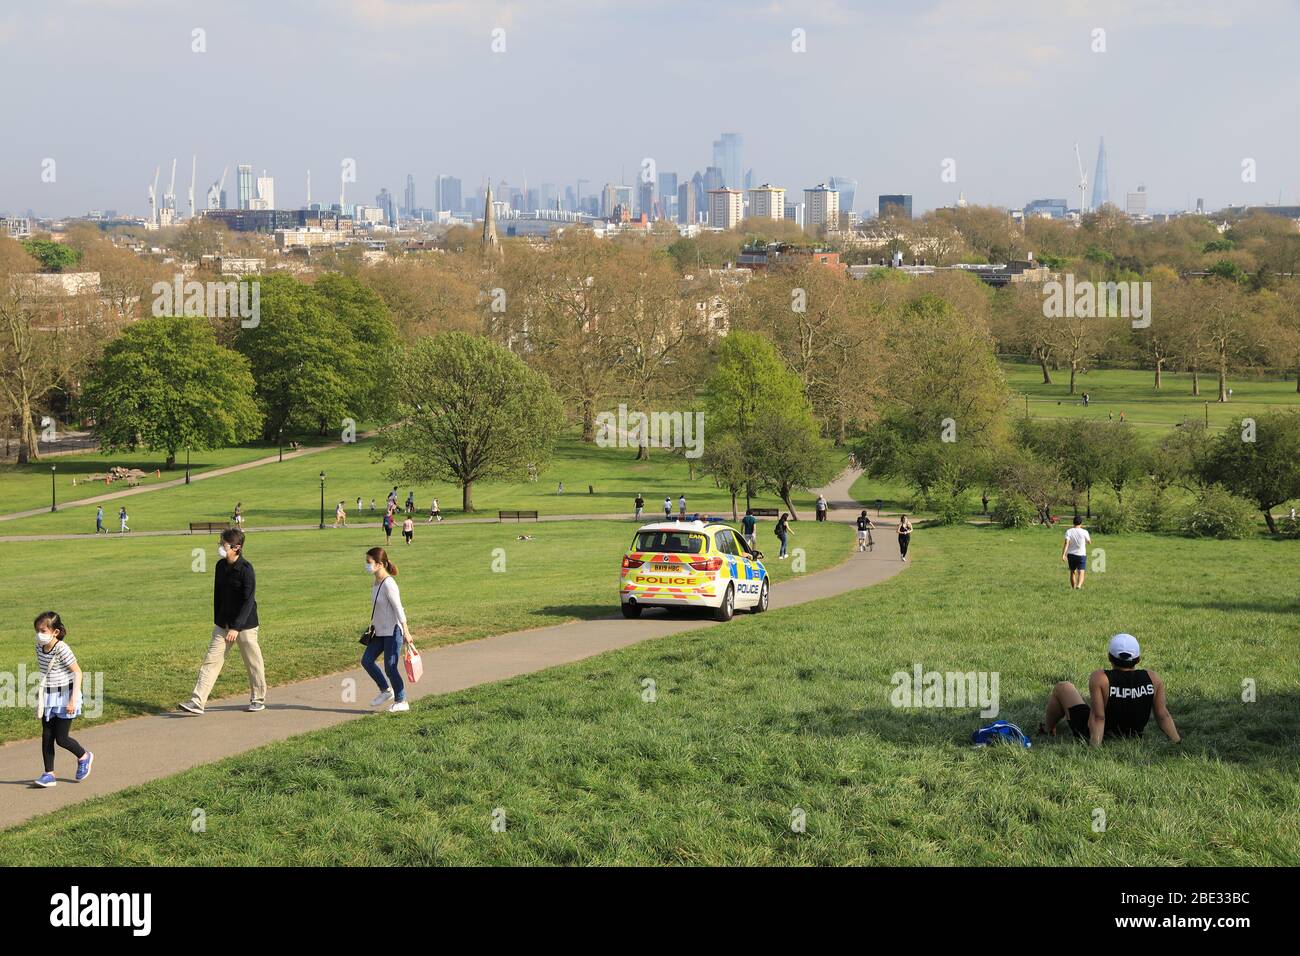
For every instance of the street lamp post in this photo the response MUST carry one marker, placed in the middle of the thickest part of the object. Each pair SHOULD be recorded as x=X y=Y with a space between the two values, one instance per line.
x=187 y=466
x=322 y=500
x=279 y=439
x=54 y=506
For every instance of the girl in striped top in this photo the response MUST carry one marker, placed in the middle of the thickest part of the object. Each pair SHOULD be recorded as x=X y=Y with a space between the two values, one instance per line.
x=60 y=697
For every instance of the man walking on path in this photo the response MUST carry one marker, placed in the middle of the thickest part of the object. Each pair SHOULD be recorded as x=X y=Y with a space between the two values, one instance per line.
x=681 y=507
x=821 y=507
x=234 y=599
x=747 y=525
x=639 y=502
x=99 y=520
x=1075 y=552
x=668 y=508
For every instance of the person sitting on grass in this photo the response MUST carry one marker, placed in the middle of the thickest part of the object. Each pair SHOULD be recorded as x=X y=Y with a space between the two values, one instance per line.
x=1122 y=699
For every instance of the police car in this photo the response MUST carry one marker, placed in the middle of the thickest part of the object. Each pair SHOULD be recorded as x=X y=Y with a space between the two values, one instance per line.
x=701 y=563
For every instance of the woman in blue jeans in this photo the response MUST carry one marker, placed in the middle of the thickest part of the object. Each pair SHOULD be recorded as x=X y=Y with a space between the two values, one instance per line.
x=391 y=632
x=782 y=531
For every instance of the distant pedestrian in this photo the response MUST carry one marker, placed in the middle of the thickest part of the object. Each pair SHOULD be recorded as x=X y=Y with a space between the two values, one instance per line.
x=1122 y=416
x=821 y=507
x=234 y=619
x=681 y=507
x=99 y=521
x=748 y=524
x=904 y=536
x=392 y=499
x=1075 y=552
x=435 y=512
x=984 y=502
x=372 y=505
x=408 y=529
x=865 y=526
x=59 y=697
x=639 y=502
x=388 y=528
x=559 y=489
x=358 y=505
x=388 y=633
x=668 y=508
x=783 y=532
x=238 y=516
x=121 y=517
x=410 y=502
x=340 y=516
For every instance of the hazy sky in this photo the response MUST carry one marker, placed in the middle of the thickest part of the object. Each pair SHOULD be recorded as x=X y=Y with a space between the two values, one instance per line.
x=885 y=92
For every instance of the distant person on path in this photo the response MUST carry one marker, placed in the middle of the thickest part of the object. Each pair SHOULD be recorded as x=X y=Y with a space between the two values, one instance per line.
x=984 y=502
x=904 y=536
x=1121 y=700
x=748 y=525
x=121 y=517
x=1075 y=552
x=821 y=507
x=1122 y=416
x=99 y=520
x=865 y=526
x=410 y=502
x=782 y=531
x=390 y=632
x=388 y=528
x=340 y=516
x=408 y=529
x=372 y=505
x=392 y=499
x=238 y=516
x=234 y=617
x=559 y=489
x=359 y=506
x=435 y=513
x=59 y=700
x=639 y=502
x=681 y=507
x=668 y=508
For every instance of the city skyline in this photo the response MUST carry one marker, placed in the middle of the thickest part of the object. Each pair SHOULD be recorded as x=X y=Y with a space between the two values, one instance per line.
x=1032 y=85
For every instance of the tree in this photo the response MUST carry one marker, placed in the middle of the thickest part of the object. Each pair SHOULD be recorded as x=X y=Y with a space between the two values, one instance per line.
x=1263 y=466
x=788 y=453
x=52 y=256
x=725 y=460
x=1123 y=459
x=167 y=384
x=1230 y=329
x=469 y=410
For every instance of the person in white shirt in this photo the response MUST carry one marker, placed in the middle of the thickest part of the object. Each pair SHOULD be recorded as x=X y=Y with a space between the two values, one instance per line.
x=1075 y=552
x=391 y=633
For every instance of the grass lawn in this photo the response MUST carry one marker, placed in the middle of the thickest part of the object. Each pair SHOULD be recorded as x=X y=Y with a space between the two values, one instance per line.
x=289 y=492
x=139 y=613
x=1132 y=391
x=791 y=710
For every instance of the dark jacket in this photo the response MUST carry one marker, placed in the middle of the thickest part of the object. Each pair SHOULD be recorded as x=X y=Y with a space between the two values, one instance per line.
x=234 y=589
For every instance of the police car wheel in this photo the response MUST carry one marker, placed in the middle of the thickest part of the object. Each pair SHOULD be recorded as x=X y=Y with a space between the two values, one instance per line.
x=631 y=609
x=761 y=606
x=724 y=611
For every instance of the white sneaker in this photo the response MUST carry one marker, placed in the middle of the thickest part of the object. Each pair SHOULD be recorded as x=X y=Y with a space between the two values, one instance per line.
x=400 y=707
x=383 y=698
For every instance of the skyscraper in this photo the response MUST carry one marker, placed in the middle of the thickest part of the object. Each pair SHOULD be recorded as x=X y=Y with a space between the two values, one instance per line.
x=899 y=204
x=1100 y=179
x=245 y=179
x=408 y=198
x=385 y=202
x=266 y=191
x=448 y=198
x=846 y=188
x=701 y=197
x=726 y=157
x=686 y=203
x=668 y=195
x=645 y=198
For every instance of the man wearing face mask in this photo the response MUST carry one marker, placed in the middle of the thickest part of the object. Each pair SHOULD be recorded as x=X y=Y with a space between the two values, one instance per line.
x=235 y=622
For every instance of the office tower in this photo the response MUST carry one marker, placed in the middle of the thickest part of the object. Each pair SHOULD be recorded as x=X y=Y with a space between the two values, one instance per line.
x=686 y=203
x=726 y=157
x=846 y=187
x=245 y=180
x=767 y=202
x=821 y=207
x=547 y=194
x=1046 y=209
x=726 y=208
x=899 y=204
x=448 y=194
x=713 y=179
x=625 y=196
x=1200 y=207
x=570 y=199
x=794 y=211
x=645 y=199
x=223 y=200
x=697 y=190
x=608 y=200
x=668 y=195
x=408 y=197
x=1136 y=203
x=749 y=179
x=385 y=202
x=1100 y=179
x=266 y=190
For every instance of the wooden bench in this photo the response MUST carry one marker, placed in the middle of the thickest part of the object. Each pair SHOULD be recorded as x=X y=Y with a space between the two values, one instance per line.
x=517 y=515
x=208 y=526
x=765 y=512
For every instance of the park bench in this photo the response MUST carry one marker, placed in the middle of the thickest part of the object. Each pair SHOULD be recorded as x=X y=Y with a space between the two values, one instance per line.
x=208 y=526
x=516 y=515
x=766 y=512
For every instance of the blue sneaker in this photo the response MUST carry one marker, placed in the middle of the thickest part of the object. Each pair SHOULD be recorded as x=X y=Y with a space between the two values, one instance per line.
x=45 y=780
x=83 y=766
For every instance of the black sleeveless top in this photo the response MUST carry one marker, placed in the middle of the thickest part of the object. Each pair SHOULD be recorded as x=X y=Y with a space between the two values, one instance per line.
x=1128 y=708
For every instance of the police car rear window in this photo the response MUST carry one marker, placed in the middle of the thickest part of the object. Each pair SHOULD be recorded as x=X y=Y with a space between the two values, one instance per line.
x=670 y=542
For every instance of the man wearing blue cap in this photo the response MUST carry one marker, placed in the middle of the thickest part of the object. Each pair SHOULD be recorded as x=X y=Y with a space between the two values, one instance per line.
x=1122 y=699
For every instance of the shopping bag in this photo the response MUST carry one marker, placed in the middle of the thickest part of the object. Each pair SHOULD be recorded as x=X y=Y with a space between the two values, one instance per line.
x=414 y=665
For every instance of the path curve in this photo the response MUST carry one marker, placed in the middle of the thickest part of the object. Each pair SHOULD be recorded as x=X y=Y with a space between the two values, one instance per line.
x=139 y=749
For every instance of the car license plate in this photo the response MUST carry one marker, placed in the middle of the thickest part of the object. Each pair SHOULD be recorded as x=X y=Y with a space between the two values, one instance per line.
x=667 y=567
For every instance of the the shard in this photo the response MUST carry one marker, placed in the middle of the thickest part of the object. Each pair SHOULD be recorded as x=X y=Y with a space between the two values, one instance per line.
x=1100 y=182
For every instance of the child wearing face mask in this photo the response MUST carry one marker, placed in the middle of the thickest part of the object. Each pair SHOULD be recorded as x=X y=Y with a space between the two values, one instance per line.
x=60 y=697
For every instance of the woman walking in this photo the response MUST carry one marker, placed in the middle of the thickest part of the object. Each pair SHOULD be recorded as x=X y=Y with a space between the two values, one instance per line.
x=904 y=536
x=340 y=516
x=388 y=633
x=60 y=697
x=388 y=528
x=239 y=514
x=782 y=531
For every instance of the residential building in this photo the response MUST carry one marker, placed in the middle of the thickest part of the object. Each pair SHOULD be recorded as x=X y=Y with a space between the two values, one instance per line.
x=726 y=208
x=767 y=202
x=821 y=207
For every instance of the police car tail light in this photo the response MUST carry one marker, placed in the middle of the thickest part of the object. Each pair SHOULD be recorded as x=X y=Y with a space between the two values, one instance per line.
x=711 y=564
x=631 y=563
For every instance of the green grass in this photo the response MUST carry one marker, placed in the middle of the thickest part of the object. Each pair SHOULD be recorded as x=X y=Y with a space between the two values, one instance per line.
x=139 y=613
x=1111 y=391
x=288 y=492
x=791 y=710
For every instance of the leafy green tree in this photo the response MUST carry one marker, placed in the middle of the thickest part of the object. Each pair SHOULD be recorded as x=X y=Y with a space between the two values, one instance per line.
x=1123 y=458
x=725 y=460
x=1261 y=465
x=166 y=384
x=469 y=410
x=789 y=453
x=53 y=256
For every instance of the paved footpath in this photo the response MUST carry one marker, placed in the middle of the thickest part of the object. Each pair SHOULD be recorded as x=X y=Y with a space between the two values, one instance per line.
x=139 y=749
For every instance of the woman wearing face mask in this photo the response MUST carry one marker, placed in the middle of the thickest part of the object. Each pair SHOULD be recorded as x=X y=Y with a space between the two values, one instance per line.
x=389 y=632
x=60 y=697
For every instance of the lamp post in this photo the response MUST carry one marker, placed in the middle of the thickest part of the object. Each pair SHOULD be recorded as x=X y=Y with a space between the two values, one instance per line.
x=322 y=501
x=279 y=439
x=187 y=466
x=53 y=503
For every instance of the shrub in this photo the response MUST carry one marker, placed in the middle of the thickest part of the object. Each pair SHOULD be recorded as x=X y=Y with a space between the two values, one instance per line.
x=1154 y=511
x=1288 y=527
x=949 y=509
x=1111 y=517
x=1218 y=514
x=1014 y=511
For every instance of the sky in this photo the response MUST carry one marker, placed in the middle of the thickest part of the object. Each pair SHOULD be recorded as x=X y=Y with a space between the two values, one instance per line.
x=883 y=92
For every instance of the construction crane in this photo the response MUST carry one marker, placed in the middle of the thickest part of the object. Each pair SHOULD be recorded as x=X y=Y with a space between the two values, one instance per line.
x=194 y=168
x=153 y=197
x=1083 y=181
x=169 y=199
x=214 y=191
x=308 y=204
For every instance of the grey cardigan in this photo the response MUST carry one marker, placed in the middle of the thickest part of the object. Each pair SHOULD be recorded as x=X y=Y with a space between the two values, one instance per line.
x=389 y=612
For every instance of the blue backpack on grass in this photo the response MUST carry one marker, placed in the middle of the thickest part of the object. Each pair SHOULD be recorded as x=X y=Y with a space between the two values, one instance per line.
x=1000 y=731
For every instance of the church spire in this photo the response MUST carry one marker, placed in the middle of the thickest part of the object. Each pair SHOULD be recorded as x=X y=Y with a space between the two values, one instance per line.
x=490 y=242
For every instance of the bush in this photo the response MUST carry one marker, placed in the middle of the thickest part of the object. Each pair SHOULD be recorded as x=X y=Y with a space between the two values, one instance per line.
x=1014 y=511
x=1111 y=517
x=1218 y=514
x=1154 y=511
x=949 y=509
x=1288 y=527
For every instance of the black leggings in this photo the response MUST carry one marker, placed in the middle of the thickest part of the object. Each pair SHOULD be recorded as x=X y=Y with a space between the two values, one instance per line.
x=55 y=731
x=903 y=541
